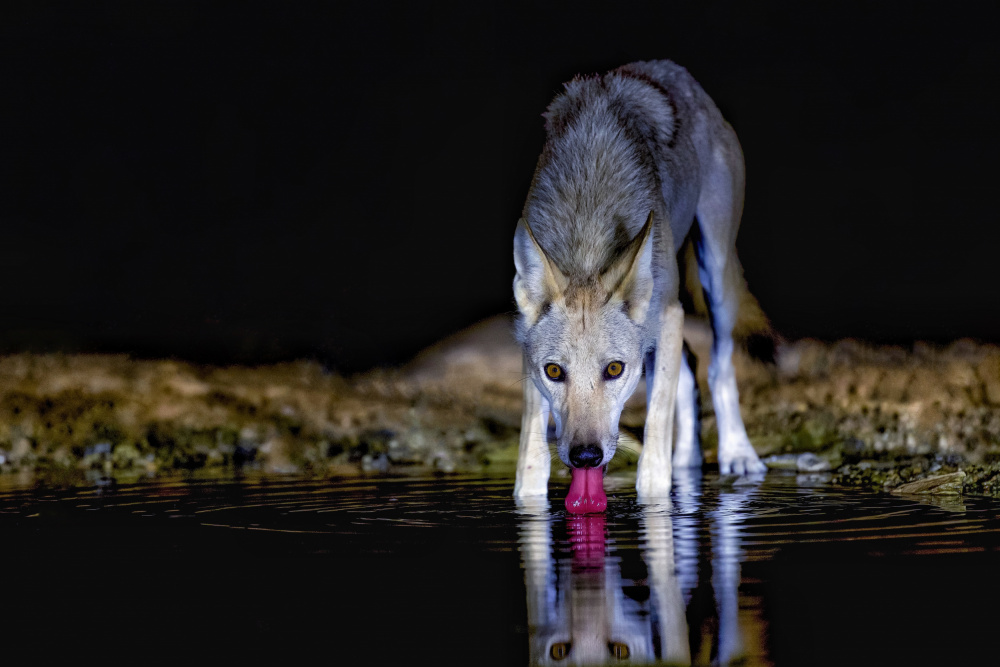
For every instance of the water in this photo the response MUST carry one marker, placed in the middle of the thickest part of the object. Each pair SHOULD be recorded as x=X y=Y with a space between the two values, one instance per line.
x=450 y=570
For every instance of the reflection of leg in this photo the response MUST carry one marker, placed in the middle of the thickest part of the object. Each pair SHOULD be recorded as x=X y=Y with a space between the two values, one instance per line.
x=653 y=478
x=533 y=462
x=665 y=594
x=687 y=520
x=539 y=578
x=687 y=447
x=726 y=574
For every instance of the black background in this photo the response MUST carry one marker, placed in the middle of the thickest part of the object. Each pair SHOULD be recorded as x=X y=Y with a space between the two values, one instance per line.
x=235 y=182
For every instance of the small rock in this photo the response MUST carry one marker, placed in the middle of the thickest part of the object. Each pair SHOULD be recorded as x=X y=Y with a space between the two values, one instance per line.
x=401 y=452
x=782 y=461
x=379 y=463
x=444 y=462
x=98 y=449
x=809 y=462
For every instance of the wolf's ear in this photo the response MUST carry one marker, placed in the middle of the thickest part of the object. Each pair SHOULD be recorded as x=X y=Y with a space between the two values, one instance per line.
x=629 y=279
x=538 y=281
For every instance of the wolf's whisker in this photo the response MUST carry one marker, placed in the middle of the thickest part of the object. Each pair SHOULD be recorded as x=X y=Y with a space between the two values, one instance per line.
x=521 y=381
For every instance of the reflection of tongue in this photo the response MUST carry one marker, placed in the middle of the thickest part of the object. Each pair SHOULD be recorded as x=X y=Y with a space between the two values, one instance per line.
x=586 y=491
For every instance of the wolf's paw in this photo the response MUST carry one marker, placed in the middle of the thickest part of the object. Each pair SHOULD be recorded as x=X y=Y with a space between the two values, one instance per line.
x=651 y=484
x=534 y=486
x=740 y=459
x=531 y=481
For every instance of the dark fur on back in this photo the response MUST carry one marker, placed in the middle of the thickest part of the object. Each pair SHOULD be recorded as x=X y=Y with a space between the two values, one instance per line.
x=602 y=136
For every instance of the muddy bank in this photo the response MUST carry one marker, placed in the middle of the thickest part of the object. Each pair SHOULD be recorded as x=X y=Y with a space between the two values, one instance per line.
x=874 y=416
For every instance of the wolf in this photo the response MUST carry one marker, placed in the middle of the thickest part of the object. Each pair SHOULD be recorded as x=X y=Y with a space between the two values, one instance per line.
x=635 y=163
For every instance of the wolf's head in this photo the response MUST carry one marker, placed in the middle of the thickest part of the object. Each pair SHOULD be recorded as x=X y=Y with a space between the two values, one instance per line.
x=583 y=340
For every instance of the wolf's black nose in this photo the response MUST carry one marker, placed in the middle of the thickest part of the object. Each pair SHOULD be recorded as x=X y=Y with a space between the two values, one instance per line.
x=585 y=456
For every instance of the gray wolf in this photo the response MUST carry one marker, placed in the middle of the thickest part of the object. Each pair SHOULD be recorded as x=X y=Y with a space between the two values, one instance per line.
x=635 y=162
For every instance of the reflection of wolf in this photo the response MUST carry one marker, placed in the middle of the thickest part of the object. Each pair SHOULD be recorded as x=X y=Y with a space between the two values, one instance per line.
x=635 y=162
x=578 y=608
x=578 y=613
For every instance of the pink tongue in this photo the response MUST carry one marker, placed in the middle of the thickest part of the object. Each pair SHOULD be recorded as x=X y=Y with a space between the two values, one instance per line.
x=586 y=491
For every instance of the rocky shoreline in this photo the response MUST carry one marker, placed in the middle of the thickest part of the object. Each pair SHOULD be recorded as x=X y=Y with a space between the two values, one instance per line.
x=874 y=416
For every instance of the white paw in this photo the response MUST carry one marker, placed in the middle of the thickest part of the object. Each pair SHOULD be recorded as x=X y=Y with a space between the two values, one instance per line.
x=652 y=484
x=532 y=486
x=740 y=459
x=531 y=480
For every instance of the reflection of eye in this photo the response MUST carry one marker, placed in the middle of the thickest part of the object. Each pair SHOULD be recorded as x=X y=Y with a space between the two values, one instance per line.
x=554 y=372
x=614 y=369
x=560 y=650
x=618 y=650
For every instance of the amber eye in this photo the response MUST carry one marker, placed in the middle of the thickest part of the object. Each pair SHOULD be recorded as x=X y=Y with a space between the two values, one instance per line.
x=618 y=650
x=559 y=650
x=554 y=372
x=614 y=369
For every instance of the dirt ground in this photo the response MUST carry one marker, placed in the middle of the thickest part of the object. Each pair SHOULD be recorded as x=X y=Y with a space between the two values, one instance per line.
x=919 y=419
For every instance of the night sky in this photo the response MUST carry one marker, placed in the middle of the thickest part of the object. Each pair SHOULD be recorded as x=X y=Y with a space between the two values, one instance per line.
x=248 y=183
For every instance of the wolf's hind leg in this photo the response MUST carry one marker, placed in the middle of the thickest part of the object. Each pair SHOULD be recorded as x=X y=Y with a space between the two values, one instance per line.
x=662 y=366
x=719 y=210
x=533 y=463
x=687 y=445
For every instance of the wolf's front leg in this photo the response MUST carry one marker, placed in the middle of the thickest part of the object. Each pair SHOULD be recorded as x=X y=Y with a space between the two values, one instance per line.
x=533 y=462
x=662 y=369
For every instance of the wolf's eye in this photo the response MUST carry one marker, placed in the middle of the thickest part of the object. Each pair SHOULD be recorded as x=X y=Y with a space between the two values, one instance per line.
x=554 y=372
x=559 y=650
x=618 y=650
x=613 y=370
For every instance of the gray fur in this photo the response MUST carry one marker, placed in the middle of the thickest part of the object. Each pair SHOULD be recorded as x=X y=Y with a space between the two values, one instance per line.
x=643 y=142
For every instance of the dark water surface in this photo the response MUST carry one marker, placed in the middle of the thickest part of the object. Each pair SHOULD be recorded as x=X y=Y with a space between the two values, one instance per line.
x=449 y=570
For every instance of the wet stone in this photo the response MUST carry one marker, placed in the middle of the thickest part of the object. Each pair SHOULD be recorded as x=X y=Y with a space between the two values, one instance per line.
x=809 y=462
x=950 y=484
x=375 y=463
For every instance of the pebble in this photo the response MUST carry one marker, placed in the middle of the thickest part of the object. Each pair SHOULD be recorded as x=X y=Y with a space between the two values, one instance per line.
x=809 y=462
x=378 y=463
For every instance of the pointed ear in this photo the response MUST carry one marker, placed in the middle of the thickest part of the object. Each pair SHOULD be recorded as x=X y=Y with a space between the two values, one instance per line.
x=538 y=282
x=629 y=279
